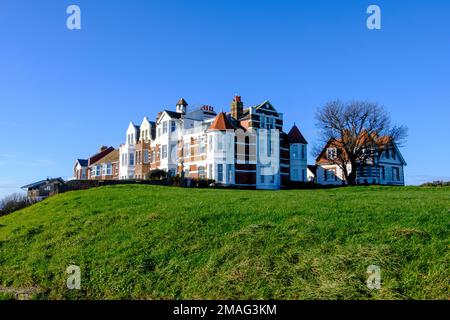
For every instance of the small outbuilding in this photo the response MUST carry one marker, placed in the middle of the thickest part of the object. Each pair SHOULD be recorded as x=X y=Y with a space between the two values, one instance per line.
x=40 y=190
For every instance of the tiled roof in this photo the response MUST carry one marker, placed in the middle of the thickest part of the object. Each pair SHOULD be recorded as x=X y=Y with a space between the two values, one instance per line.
x=182 y=102
x=111 y=157
x=83 y=162
x=313 y=169
x=221 y=122
x=381 y=142
x=295 y=136
x=173 y=114
x=42 y=182
x=100 y=155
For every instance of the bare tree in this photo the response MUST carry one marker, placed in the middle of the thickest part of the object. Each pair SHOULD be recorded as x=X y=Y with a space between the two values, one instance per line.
x=357 y=129
x=13 y=203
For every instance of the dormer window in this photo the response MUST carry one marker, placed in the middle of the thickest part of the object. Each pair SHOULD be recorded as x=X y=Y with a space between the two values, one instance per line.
x=331 y=153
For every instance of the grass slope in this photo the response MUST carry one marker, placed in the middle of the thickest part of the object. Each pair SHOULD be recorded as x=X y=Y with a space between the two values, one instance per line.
x=147 y=242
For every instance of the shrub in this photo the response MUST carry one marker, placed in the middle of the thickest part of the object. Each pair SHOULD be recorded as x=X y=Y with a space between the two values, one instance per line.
x=156 y=174
x=13 y=203
x=436 y=184
x=204 y=183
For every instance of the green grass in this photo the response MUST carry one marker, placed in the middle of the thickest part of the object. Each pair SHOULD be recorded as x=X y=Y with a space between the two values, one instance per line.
x=147 y=242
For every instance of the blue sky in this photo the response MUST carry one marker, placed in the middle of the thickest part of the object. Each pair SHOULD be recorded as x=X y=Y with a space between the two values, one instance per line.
x=64 y=93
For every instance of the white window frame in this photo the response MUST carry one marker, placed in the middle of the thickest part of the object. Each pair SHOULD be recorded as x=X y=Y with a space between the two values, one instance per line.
x=131 y=159
x=210 y=143
x=109 y=169
x=201 y=172
x=331 y=153
x=220 y=172
x=187 y=149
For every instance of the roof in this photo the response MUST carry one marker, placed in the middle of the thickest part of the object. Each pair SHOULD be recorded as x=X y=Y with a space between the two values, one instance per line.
x=83 y=162
x=295 y=136
x=262 y=104
x=182 y=102
x=42 y=182
x=173 y=114
x=313 y=169
x=221 y=122
x=100 y=155
x=381 y=142
x=111 y=157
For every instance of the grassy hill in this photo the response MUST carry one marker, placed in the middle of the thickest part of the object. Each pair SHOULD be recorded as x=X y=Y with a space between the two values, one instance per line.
x=147 y=242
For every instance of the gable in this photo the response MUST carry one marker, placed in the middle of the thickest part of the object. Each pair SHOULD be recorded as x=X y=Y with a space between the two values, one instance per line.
x=168 y=115
x=398 y=158
x=131 y=128
x=267 y=108
x=321 y=158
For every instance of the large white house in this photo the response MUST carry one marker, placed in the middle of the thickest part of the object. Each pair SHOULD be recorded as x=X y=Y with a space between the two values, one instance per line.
x=245 y=147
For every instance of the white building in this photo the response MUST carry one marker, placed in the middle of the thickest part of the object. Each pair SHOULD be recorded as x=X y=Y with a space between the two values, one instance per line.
x=245 y=147
x=127 y=152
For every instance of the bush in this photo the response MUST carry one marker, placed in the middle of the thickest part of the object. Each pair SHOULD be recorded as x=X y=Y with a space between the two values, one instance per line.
x=436 y=184
x=204 y=183
x=156 y=174
x=13 y=203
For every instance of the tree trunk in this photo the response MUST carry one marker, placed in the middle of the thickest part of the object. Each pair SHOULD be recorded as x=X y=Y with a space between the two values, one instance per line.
x=351 y=179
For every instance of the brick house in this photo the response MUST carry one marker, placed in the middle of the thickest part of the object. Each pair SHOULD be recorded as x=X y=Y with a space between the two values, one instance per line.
x=106 y=168
x=82 y=168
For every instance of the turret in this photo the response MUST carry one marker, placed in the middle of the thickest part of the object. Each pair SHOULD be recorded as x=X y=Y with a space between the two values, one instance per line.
x=182 y=106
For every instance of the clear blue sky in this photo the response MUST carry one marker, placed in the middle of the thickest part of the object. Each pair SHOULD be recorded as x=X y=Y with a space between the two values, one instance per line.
x=64 y=93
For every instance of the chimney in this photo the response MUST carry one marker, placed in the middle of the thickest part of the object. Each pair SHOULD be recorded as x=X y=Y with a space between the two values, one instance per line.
x=237 y=107
x=103 y=148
